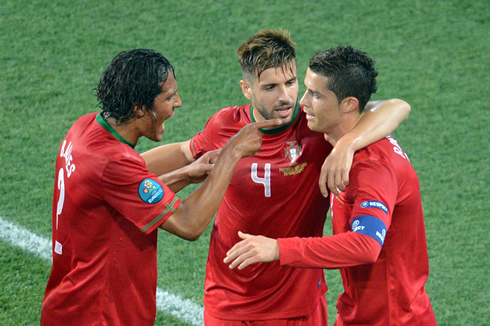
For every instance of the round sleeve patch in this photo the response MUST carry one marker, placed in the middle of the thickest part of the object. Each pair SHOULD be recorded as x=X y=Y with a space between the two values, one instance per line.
x=150 y=191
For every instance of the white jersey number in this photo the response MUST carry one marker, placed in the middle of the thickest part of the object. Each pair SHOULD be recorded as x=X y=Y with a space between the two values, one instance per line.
x=266 y=180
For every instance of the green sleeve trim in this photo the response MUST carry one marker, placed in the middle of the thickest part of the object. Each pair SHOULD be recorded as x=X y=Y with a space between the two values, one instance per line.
x=170 y=208
x=193 y=150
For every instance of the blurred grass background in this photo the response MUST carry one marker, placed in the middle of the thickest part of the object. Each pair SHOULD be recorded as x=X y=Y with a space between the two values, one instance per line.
x=433 y=54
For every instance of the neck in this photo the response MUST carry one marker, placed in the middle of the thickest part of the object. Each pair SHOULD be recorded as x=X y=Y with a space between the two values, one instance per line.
x=347 y=124
x=125 y=130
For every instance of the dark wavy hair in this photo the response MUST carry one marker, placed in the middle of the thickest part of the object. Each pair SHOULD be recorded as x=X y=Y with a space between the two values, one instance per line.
x=264 y=50
x=350 y=72
x=133 y=78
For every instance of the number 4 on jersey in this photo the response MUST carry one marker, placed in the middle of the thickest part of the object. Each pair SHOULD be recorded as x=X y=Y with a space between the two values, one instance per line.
x=266 y=180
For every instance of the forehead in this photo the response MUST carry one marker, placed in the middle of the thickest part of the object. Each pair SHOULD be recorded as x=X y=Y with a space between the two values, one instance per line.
x=170 y=85
x=277 y=74
x=316 y=82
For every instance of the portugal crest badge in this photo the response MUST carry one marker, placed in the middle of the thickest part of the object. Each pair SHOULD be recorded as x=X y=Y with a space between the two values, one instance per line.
x=292 y=151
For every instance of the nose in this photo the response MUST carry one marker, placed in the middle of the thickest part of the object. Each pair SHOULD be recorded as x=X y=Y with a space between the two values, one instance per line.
x=284 y=95
x=178 y=100
x=303 y=101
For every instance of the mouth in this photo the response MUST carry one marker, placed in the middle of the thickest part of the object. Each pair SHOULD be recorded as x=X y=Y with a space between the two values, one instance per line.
x=284 y=111
x=168 y=117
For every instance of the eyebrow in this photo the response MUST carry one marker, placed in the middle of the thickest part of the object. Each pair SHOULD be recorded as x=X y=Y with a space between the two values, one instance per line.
x=274 y=84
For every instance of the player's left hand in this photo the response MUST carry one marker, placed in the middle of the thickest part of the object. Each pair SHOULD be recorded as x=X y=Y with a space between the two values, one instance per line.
x=336 y=168
x=252 y=249
x=199 y=170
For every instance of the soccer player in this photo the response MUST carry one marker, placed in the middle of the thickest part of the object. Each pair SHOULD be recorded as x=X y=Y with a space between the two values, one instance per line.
x=274 y=192
x=107 y=206
x=379 y=241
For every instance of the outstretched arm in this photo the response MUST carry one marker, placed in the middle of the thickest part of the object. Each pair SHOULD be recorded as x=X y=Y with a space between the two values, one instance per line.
x=336 y=251
x=380 y=119
x=195 y=212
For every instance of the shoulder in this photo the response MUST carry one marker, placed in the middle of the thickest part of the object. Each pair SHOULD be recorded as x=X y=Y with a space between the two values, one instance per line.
x=233 y=114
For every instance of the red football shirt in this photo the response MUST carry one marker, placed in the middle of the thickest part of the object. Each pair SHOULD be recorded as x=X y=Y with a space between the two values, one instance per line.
x=106 y=209
x=274 y=193
x=380 y=215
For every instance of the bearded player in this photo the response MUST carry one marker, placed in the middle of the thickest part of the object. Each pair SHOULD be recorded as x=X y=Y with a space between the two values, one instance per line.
x=274 y=192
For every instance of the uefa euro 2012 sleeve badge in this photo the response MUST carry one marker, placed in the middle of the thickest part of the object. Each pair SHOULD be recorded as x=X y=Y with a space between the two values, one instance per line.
x=150 y=191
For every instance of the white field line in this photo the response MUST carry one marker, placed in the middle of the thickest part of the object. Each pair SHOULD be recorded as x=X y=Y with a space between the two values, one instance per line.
x=183 y=309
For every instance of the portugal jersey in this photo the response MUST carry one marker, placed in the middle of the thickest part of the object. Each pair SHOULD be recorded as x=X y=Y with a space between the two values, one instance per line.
x=274 y=193
x=380 y=213
x=106 y=210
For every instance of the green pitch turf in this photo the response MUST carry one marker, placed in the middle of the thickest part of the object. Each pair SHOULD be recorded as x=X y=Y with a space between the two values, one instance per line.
x=433 y=54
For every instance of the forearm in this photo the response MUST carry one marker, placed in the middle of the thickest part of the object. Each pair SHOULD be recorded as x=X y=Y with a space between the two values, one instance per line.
x=176 y=180
x=166 y=158
x=338 y=251
x=198 y=209
x=380 y=119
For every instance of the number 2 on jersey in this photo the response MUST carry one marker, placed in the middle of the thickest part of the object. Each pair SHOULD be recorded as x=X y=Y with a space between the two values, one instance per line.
x=266 y=180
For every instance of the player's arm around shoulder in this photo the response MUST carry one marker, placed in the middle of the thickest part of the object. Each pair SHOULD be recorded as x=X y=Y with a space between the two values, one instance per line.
x=380 y=119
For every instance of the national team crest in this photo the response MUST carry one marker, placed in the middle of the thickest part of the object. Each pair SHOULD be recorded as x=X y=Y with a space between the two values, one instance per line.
x=292 y=151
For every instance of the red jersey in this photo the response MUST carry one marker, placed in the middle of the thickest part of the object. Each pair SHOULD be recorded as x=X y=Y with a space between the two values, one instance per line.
x=274 y=193
x=106 y=209
x=380 y=216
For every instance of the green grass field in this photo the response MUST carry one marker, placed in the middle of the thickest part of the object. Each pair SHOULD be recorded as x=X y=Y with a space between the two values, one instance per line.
x=433 y=54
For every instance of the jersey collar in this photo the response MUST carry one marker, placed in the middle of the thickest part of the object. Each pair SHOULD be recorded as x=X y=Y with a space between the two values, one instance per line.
x=278 y=129
x=100 y=120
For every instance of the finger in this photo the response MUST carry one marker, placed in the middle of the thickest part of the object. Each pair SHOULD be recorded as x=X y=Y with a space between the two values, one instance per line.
x=240 y=261
x=246 y=263
x=243 y=235
x=345 y=179
x=338 y=182
x=332 y=187
x=322 y=182
x=268 y=124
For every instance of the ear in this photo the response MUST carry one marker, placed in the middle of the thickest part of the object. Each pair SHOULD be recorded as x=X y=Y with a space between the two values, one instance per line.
x=139 y=111
x=349 y=104
x=246 y=89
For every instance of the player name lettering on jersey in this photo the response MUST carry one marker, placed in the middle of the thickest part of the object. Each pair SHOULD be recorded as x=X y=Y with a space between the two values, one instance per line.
x=397 y=148
x=66 y=154
x=294 y=169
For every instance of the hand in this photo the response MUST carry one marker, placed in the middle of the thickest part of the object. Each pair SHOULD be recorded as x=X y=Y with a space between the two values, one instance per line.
x=198 y=171
x=252 y=249
x=336 y=168
x=248 y=140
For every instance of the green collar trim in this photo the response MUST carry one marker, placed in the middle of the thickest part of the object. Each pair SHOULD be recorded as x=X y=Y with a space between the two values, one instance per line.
x=100 y=120
x=278 y=129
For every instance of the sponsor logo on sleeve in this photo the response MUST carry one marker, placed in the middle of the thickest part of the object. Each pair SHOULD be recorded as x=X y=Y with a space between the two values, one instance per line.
x=370 y=226
x=150 y=191
x=375 y=204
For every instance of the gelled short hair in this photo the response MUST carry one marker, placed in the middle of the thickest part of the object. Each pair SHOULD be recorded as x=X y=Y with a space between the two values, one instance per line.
x=350 y=72
x=266 y=49
x=133 y=78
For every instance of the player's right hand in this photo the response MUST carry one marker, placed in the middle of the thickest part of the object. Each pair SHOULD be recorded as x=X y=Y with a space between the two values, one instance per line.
x=248 y=140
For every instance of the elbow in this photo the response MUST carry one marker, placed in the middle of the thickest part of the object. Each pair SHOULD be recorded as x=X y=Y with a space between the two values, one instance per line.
x=370 y=257
x=191 y=234
x=404 y=108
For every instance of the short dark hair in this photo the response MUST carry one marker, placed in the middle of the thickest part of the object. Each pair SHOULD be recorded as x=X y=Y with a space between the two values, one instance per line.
x=133 y=78
x=350 y=72
x=266 y=49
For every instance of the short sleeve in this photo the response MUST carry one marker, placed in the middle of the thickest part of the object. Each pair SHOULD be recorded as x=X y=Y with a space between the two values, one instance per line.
x=137 y=194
